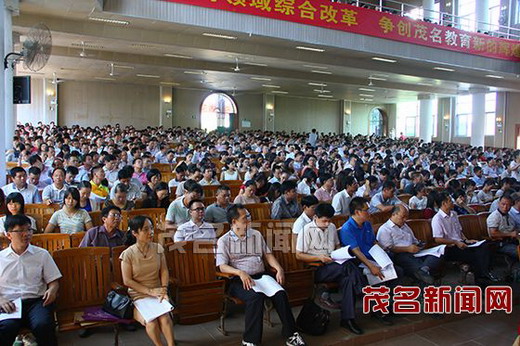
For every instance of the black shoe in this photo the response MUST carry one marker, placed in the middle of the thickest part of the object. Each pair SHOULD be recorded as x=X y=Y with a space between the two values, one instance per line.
x=84 y=333
x=423 y=276
x=491 y=277
x=129 y=327
x=352 y=326
x=382 y=318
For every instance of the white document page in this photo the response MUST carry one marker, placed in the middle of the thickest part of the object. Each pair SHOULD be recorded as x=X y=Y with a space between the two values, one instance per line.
x=477 y=243
x=267 y=285
x=436 y=251
x=380 y=256
x=150 y=307
x=341 y=255
x=17 y=314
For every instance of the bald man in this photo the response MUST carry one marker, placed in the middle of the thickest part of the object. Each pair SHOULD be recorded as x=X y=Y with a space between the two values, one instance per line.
x=397 y=237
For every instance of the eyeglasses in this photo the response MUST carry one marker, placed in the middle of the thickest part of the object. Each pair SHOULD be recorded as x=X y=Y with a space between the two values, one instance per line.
x=198 y=209
x=115 y=216
x=30 y=230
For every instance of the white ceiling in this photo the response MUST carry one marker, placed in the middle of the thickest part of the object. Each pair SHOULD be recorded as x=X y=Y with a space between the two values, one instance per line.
x=140 y=48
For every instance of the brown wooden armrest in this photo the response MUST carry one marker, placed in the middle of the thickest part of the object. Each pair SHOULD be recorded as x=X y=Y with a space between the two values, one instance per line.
x=173 y=282
x=116 y=286
x=315 y=264
x=225 y=275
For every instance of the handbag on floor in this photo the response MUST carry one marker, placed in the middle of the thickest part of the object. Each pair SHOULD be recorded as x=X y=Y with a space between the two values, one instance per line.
x=119 y=305
x=313 y=320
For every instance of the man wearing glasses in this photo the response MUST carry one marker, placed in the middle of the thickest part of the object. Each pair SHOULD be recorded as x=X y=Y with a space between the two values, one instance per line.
x=108 y=234
x=196 y=228
x=28 y=273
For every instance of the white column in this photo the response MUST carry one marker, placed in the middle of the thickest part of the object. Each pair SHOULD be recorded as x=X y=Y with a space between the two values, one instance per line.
x=2 y=96
x=166 y=106
x=10 y=116
x=269 y=112
x=426 y=117
x=429 y=10
x=482 y=15
x=478 y=118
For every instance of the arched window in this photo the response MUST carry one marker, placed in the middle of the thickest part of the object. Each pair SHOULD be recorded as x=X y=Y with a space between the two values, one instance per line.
x=218 y=111
x=377 y=119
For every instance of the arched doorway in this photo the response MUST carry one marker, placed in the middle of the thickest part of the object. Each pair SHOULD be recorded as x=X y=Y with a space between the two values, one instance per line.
x=218 y=111
x=378 y=121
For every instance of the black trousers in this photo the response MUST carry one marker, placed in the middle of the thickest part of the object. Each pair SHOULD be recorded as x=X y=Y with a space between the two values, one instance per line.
x=255 y=310
x=410 y=264
x=476 y=257
x=350 y=280
x=38 y=318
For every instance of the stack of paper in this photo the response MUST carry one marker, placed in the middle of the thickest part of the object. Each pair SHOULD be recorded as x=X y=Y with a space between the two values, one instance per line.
x=17 y=314
x=436 y=251
x=341 y=255
x=382 y=260
x=150 y=307
x=267 y=285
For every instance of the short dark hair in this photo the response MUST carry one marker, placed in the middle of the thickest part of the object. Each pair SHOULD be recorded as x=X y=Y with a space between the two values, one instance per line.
x=15 y=197
x=233 y=212
x=124 y=173
x=84 y=184
x=121 y=188
x=72 y=191
x=287 y=186
x=192 y=186
x=441 y=197
x=357 y=203
x=16 y=170
x=388 y=185
x=152 y=173
x=193 y=201
x=223 y=188
x=105 y=211
x=309 y=201
x=35 y=170
x=11 y=221
x=325 y=210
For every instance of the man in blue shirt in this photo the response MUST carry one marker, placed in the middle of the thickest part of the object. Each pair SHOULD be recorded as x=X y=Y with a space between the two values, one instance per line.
x=358 y=233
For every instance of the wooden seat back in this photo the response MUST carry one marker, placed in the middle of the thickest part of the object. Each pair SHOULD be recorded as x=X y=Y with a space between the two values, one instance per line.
x=117 y=273
x=482 y=221
x=76 y=238
x=405 y=197
x=41 y=214
x=163 y=167
x=470 y=226
x=422 y=229
x=210 y=190
x=259 y=211
x=157 y=215
x=277 y=233
x=51 y=241
x=380 y=217
x=414 y=214
x=339 y=220
x=86 y=277
x=97 y=220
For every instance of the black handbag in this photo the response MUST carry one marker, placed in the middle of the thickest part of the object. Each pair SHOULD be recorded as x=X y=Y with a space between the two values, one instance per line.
x=119 y=305
x=313 y=320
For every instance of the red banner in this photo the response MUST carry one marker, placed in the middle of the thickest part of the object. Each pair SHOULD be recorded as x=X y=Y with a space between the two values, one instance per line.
x=364 y=21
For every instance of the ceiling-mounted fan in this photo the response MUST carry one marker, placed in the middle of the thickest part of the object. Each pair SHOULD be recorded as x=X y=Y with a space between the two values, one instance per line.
x=112 y=72
x=36 y=49
x=55 y=79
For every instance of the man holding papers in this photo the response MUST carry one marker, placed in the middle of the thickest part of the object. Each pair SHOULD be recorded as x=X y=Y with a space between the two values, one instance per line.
x=241 y=252
x=447 y=230
x=316 y=243
x=396 y=236
x=28 y=286
x=357 y=233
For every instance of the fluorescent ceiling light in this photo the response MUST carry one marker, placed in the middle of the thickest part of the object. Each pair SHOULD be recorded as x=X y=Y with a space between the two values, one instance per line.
x=147 y=76
x=279 y=92
x=109 y=21
x=124 y=66
x=383 y=59
x=494 y=76
x=322 y=91
x=443 y=69
x=425 y=84
x=169 y=83
x=366 y=89
x=317 y=84
x=195 y=72
x=86 y=46
x=322 y=72
x=311 y=49
x=316 y=67
x=378 y=78
x=366 y=95
x=263 y=79
x=380 y=75
x=226 y=37
x=254 y=64
x=271 y=86
x=329 y=96
x=143 y=46
x=104 y=78
x=178 y=56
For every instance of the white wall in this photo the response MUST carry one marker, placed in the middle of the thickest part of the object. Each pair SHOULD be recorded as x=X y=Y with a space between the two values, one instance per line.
x=303 y=114
x=33 y=112
x=99 y=103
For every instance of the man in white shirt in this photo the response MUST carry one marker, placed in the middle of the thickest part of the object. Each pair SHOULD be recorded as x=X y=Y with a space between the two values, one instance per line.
x=309 y=204
x=341 y=200
x=29 y=192
x=397 y=237
x=503 y=229
x=111 y=169
x=196 y=228
x=28 y=273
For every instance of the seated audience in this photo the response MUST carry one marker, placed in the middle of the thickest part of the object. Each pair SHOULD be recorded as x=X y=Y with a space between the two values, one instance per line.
x=70 y=218
x=145 y=273
x=309 y=204
x=15 y=206
x=327 y=191
x=503 y=229
x=108 y=234
x=85 y=202
x=29 y=192
x=286 y=206
x=196 y=228
x=347 y=186
x=160 y=197
x=55 y=192
x=216 y=212
x=485 y=195
x=120 y=198
x=178 y=212
x=124 y=177
x=419 y=199
x=385 y=200
x=247 y=194
x=240 y=252
x=460 y=206
x=27 y=272
x=99 y=189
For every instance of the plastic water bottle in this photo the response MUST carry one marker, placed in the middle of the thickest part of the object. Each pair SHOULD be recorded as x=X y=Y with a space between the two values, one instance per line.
x=18 y=342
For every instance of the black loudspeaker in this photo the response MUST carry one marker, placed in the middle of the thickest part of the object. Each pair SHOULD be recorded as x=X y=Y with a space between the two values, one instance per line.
x=21 y=90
